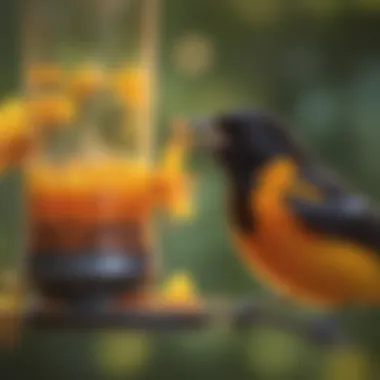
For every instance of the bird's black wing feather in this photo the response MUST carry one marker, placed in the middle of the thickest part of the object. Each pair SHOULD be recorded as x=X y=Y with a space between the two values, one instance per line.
x=341 y=213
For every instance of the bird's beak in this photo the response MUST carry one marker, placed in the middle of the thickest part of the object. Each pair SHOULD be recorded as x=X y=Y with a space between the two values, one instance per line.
x=205 y=134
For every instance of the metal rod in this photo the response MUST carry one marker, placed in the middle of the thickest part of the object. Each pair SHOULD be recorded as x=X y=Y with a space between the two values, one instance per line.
x=149 y=58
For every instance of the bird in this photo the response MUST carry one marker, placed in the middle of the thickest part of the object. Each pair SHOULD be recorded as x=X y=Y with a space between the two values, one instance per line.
x=301 y=229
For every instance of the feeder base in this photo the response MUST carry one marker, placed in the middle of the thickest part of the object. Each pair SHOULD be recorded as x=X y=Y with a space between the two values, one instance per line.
x=135 y=317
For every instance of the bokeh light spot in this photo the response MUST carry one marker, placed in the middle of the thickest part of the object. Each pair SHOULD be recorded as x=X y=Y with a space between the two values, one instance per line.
x=346 y=363
x=259 y=13
x=317 y=109
x=193 y=54
x=122 y=352
x=273 y=352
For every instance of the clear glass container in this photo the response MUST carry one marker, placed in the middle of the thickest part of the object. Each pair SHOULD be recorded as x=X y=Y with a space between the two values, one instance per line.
x=90 y=74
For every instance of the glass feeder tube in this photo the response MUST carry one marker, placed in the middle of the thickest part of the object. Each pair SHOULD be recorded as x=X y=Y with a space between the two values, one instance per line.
x=91 y=181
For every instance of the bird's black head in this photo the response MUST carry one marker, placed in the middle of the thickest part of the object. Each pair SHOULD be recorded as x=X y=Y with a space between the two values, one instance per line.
x=246 y=139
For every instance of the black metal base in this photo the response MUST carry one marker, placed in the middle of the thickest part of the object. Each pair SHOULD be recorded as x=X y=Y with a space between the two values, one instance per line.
x=86 y=275
x=131 y=318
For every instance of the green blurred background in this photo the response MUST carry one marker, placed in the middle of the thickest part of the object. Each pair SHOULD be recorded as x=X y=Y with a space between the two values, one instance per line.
x=315 y=62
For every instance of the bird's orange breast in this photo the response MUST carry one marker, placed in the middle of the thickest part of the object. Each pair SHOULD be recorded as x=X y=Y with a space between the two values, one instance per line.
x=298 y=262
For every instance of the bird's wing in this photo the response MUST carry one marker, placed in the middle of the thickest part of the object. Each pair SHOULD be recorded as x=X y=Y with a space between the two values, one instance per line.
x=338 y=212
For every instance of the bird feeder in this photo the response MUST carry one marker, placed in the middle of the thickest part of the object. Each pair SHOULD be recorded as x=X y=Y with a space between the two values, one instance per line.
x=91 y=180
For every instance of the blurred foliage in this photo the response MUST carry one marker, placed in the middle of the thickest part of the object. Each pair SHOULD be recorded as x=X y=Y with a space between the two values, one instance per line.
x=315 y=62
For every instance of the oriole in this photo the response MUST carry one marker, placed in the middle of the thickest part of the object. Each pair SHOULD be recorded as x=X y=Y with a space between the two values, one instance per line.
x=297 y=226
